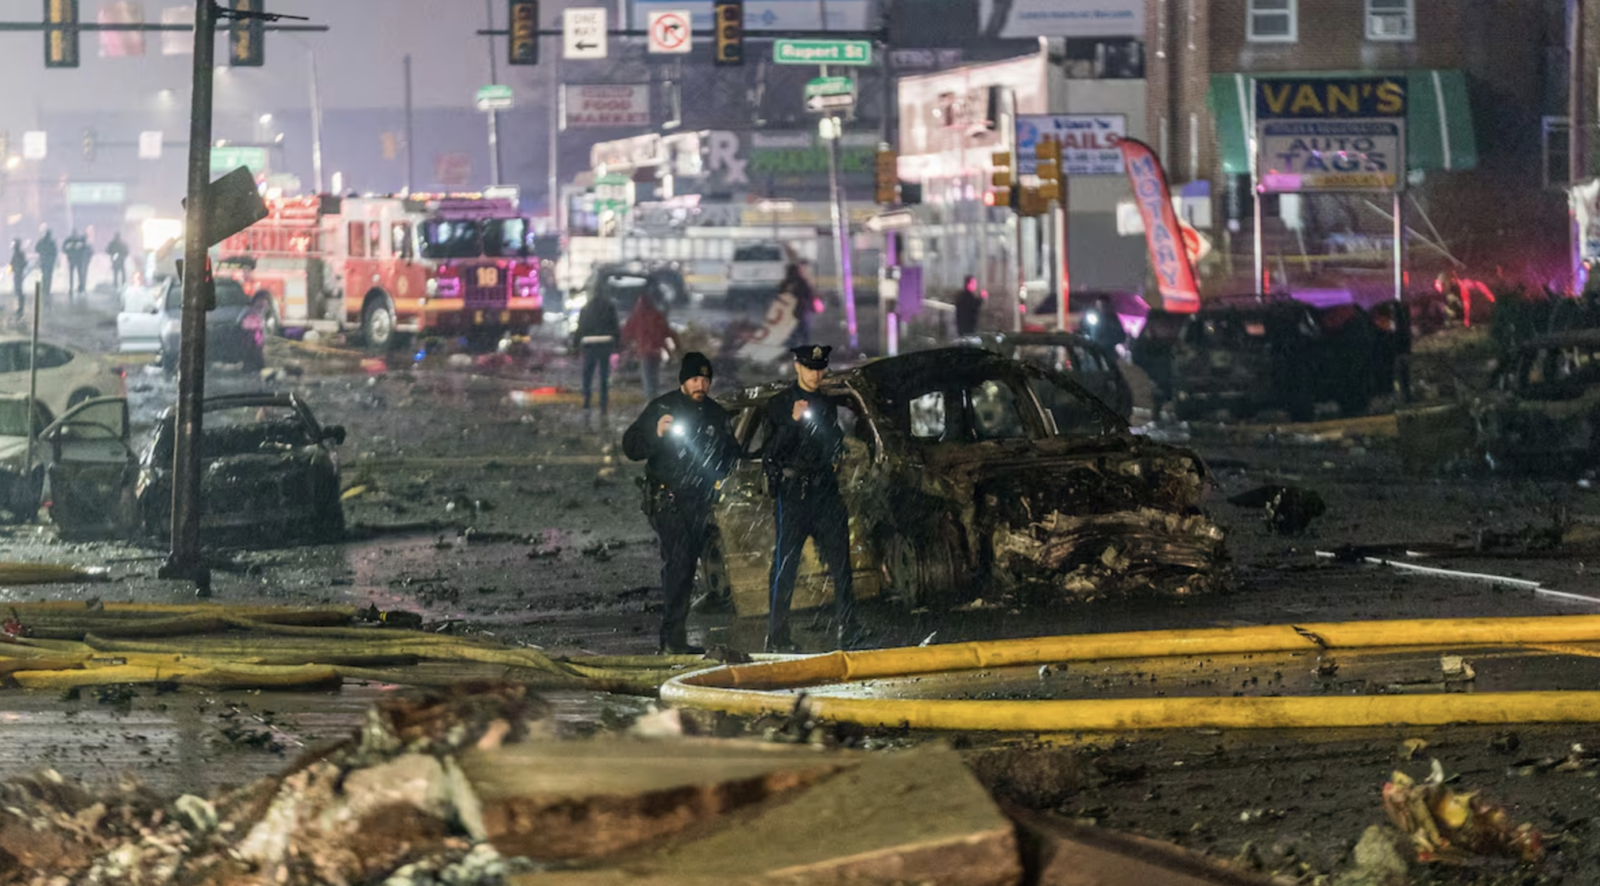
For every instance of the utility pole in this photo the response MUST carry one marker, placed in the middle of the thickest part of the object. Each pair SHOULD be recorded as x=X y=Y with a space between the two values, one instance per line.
x=316 y=121
x=184 y=562
x=411 y=166
x=1577 y=148
x=494 y=116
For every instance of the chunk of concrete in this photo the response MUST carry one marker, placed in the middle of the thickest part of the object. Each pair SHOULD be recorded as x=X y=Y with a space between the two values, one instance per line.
x=916 y=816
x=555 y=801
x=1066 y=854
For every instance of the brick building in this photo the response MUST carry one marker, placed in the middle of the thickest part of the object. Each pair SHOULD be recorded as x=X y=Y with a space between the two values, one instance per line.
x=1486 y=81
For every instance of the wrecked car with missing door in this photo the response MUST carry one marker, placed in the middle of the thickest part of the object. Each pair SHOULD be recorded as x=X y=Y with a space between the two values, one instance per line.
x=967 y=474
x=268 y=467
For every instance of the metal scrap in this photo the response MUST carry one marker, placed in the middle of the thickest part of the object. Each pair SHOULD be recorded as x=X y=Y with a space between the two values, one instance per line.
x=1447 y=825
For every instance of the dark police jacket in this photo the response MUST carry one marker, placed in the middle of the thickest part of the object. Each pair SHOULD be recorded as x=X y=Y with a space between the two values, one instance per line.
x=687 y=465
x=802 y=453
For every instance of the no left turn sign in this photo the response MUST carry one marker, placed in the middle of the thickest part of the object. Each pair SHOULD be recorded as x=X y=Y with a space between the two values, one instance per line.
x=669 y=31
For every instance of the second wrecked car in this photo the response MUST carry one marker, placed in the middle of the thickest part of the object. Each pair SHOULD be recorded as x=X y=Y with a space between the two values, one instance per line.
x=967 y=473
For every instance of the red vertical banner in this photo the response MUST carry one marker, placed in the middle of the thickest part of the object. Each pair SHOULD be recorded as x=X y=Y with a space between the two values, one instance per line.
x=1168 y=256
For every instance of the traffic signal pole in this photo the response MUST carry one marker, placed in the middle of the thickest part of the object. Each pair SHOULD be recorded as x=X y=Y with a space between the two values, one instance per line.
x=184 y=562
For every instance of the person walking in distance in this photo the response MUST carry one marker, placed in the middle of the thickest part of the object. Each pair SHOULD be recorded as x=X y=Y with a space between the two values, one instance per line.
x=597 y=341
x=46 y=250
x=117 y=251
x=969 y=304
x=72 y=250
x=805 y=301
x=648 y=334
x=685 y=436
x=19 y=270
x=801 y=462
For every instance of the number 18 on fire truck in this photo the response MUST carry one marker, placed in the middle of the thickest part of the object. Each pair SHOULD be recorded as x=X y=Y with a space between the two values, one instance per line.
x=383 y=267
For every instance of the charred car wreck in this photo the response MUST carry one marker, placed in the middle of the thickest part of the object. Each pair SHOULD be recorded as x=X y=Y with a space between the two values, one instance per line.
x=968 y=474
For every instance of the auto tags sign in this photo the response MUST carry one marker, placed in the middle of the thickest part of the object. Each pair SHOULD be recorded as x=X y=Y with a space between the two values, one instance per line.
x=1329 y=134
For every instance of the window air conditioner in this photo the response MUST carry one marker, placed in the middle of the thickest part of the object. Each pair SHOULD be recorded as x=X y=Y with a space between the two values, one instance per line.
x=1388 y=24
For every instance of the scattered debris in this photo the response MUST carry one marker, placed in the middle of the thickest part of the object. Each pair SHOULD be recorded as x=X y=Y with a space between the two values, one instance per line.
x=1288 y=510
x=1451 y=826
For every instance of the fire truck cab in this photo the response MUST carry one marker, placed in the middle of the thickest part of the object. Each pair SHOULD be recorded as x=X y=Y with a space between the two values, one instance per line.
x=382 y=267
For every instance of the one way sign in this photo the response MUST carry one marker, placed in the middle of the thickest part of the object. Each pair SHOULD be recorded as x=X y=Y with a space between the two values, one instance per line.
x=583 y=32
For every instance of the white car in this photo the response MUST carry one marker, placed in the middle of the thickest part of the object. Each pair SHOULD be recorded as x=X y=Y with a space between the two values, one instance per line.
x=67 y=376
x=755 y=273
x=144 y=310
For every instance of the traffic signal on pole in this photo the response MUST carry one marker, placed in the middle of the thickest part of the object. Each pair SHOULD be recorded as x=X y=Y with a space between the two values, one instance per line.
x=888 y=178
x=91 y=144
x=729 y=22
x=1001 y=185
x=246 y=47
x=61 y=33
x=1047 y=166
x=524 y=43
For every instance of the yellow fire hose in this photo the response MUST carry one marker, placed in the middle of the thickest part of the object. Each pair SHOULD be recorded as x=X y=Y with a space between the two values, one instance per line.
x=767 y=687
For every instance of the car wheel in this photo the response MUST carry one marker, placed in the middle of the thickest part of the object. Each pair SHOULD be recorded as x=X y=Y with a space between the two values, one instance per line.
x=714 y=592
x=269 y=314
x=81 y=395
x=377 y=326
x=926 y=571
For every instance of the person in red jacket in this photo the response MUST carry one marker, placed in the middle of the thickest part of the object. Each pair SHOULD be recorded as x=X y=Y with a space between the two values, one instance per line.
x=647 y=333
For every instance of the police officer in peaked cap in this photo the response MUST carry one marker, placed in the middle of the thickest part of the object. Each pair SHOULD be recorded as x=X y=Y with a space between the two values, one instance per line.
x=686 y=438
x=801 y=462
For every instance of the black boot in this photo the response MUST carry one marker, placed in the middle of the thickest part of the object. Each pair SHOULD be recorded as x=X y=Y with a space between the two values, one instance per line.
x=677 y=643
x=781 y=643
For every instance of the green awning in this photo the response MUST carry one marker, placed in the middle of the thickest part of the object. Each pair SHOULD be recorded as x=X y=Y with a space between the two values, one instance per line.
x=1439 y=131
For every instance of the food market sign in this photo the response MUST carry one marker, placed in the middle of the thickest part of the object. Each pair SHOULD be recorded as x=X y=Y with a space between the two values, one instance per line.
x=1329 y=134
x=625 y=104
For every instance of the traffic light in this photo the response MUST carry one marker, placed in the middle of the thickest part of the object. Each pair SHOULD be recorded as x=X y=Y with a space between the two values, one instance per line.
x=245 y=41
x=61 y=43
x=1047 y=166
x=524 y=43
x=730 y=32
x=91 y=144
x=1001 y=185
x=888 y=178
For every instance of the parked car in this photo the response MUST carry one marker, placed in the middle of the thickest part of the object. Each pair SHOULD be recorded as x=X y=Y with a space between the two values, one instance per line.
x=1545 y=412
x=235 y=329
x=270 y=467
x=90 y=470
x=1130 y=308
x=67 y=376
x=962 y=465
x=20 y=474
x=1077 y=357
x=143 y=313
x=754 y=274
x=1250 y=357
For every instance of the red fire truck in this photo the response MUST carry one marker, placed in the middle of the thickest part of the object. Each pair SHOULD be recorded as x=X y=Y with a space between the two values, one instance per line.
x=388 y=266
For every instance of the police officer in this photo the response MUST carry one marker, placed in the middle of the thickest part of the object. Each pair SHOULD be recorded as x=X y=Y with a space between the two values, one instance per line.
x=801 y=462
x=686 y=437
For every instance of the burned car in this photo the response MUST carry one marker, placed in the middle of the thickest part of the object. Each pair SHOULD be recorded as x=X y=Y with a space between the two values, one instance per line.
x=1080 y=359
x=268 y=466
x=962 y=465
x=1248 y=358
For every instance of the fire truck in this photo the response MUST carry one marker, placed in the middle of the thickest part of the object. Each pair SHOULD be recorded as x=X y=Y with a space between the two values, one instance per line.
x=383 y=267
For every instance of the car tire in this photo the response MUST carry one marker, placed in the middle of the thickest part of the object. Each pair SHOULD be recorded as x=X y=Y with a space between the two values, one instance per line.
x=926 y=572
x=81 y=395
x=377 y=326
x=713 y=590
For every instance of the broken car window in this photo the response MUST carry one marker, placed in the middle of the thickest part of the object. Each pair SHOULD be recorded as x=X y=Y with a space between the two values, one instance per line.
x=927 y=416
x=995 y=415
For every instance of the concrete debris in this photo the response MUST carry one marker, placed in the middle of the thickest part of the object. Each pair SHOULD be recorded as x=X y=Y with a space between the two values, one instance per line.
x=1377 y=860
x=1451 y=826
x=1288 y=510
x=1066 y=854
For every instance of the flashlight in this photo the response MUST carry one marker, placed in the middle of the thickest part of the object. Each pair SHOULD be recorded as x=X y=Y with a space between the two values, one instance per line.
x=806 y=414
x=677 y=430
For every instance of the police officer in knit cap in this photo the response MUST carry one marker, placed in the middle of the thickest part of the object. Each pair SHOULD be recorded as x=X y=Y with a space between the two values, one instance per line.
x=685 y=436
x=801 y=462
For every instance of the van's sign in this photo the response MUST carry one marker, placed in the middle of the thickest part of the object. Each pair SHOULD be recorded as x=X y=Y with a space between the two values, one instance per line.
x=1320 y=98
x=1330 y=134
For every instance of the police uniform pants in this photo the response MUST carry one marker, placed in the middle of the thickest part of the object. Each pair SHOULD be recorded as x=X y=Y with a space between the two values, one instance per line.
x=683 y=531
x=817 y=513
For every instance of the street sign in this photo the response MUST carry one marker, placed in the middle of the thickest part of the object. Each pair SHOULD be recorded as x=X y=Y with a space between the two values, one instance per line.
x=830 y=86
x=822 y=52
x=228 y=159
x=495 y=97
x=771 y=206
x=669 y=31
x=818 y=104
x=583 y=32
x=35 y=145
x=890 y=221
x=82 y=193
x=150 y=144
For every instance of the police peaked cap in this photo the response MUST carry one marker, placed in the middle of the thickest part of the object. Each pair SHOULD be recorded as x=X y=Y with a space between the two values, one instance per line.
x=812 y=356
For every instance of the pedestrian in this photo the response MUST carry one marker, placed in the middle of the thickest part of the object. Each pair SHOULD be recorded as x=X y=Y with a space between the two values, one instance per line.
x=46 y=250
x=597 y=341
x=801 y=462
x=685 y=436
x=1104 y=327
x=117 y=251
x=72 y=249
x=805 y=301
x=19 y=270
x=969 y=303
x=85 y=255
x=648 y=334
